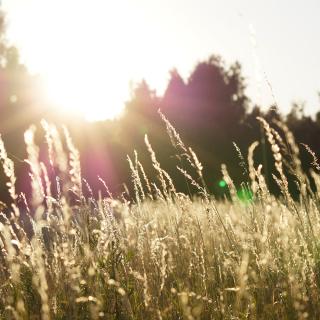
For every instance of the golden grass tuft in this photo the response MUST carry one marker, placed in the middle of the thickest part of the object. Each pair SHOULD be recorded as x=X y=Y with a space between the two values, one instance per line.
x=165 y=255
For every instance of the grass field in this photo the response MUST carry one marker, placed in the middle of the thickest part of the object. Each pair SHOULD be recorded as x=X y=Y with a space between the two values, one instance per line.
x=163 y=255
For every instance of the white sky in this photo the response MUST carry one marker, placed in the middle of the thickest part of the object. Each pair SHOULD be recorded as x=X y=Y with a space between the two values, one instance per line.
x=115 y=42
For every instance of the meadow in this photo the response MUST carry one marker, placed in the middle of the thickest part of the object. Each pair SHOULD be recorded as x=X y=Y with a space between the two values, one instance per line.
x=158 y=253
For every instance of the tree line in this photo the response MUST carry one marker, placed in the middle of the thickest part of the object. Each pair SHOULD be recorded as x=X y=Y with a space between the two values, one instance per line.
x=210 y=110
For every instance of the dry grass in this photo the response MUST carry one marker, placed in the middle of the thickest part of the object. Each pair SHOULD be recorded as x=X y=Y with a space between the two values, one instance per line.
x=164 y=255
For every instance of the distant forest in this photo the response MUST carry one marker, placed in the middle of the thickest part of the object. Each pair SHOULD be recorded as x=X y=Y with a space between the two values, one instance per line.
x=210 y=110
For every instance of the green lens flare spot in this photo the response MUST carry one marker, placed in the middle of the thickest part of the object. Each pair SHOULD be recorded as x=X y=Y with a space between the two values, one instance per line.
x=245 y=195
x=222 y=184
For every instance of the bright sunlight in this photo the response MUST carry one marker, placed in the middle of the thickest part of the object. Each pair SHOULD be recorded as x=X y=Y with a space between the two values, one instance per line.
x=87 y=55
x=89 y=52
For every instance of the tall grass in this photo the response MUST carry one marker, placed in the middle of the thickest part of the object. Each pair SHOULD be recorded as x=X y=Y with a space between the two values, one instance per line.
x=164 y=255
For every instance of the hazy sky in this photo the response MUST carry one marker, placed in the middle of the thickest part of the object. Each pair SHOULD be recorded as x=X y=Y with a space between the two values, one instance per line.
x=136 y=39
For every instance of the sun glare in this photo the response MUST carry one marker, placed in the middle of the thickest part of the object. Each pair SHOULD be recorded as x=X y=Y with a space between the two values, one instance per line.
x=90 y=94
x=86 y=89
x=79 y=59
x=86 y=54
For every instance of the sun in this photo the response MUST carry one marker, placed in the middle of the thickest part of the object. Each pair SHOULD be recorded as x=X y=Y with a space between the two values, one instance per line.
x=86 y=88
x=89 y=52
x=79 y=51
x=78 y=59
x=90 y=93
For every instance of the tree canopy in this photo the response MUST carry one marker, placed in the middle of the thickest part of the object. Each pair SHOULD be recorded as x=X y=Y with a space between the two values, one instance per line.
x=210 y=109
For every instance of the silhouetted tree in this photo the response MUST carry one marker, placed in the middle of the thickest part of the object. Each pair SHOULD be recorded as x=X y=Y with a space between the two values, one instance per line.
x=210 y=109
